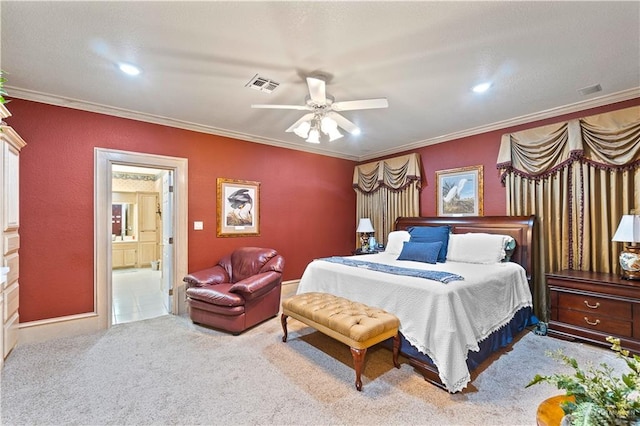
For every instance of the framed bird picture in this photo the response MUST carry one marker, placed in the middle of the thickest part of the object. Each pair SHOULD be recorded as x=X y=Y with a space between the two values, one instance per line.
x=238 y=208
x=460 y=191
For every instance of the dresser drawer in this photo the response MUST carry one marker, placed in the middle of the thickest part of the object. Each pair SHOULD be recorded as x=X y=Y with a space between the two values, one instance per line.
x=589 y=306
x=11 y=301
x=11 y=242
x=593 y=305
x=13 y=262
x=10 y=334
x=593 y=321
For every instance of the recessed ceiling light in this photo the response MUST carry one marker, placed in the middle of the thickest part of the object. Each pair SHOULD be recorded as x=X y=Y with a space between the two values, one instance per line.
x=129 y=69
x=481 y=88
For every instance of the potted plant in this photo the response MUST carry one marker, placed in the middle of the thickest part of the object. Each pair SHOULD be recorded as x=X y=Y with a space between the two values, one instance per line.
x=3 y=92
x=601 y=397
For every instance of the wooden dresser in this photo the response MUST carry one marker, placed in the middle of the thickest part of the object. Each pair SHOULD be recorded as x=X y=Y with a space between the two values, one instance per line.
x=10 y=145
x=590 y=306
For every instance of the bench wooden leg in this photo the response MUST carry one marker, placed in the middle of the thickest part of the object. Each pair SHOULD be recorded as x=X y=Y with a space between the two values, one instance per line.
x=283 y=321
x=358 y=363
x=396 y=350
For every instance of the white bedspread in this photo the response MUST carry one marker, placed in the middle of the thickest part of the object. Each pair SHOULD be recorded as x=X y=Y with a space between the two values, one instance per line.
x=444 y=321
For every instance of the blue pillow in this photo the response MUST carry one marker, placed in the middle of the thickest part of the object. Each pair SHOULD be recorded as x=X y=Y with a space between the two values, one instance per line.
x=420 y=252
x=432 y=234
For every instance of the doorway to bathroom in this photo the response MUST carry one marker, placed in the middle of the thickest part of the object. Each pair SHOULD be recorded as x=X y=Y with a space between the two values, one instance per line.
x=141 y=235
x=139 y=196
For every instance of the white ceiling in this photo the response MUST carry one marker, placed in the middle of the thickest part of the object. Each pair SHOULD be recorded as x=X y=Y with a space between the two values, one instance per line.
x=424 y=57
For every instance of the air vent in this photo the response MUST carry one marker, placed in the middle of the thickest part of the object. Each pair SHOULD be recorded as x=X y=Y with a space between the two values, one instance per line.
x=590 y=89
x=262 y=84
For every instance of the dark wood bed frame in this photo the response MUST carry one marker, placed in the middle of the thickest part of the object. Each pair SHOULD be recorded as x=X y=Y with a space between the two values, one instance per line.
x=521 y=228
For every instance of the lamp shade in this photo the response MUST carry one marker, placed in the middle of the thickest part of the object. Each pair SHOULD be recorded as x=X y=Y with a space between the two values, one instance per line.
x=302 y=129
x=314 y=136
x=327 y=124
x=628 y=230
x=334 y=134
x=365 y=225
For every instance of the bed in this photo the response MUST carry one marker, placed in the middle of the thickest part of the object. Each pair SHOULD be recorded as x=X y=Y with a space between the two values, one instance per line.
x=447 y=328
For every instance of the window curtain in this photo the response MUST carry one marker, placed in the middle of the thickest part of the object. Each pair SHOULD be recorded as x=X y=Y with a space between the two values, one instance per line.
x=387 y=189
x=578 y=177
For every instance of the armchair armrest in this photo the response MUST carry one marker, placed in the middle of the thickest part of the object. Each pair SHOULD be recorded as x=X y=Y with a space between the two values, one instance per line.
x=256 y=285
x=214 y=275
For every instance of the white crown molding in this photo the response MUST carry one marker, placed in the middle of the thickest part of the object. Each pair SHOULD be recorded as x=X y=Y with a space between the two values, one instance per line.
x=45 y=98
x=156 y=119
x=624 y=95
x=4 y=112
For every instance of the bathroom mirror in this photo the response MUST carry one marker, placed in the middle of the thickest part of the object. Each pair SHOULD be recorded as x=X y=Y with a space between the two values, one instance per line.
x=122 y=220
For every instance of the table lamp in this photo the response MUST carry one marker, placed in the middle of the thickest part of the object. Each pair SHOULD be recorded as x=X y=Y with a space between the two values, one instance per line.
x=364 y=229
x=629 y=232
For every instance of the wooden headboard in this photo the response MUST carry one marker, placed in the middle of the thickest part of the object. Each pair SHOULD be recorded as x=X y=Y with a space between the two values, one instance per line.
x=521 y=228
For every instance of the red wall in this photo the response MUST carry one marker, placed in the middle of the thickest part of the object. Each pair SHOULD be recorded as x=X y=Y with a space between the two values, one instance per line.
x=307 y=203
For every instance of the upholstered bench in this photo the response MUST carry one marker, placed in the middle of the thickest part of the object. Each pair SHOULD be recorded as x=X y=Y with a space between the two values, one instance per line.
x=355 y=324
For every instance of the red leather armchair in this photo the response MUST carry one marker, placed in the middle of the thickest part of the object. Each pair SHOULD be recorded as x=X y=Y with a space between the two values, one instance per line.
x=242 y=290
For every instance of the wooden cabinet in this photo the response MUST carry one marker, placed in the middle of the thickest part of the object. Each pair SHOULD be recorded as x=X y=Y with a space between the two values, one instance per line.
x=146 y=253
x=144 y=249
x=147 y=228
x=11 y=144
x=124 y=254
x=147 y=216
x=590 y=306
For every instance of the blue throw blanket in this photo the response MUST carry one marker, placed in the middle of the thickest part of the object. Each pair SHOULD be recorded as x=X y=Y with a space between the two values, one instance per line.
x=443 y=277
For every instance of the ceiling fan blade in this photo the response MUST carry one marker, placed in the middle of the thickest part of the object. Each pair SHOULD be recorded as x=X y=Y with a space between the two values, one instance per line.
x=344 y=123
x=270 y=106
x=361 y=104
x=305 y=117
x=317 y=90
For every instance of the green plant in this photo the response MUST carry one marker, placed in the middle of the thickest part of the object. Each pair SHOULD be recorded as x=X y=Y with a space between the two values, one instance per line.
x=601 y=397
x=3 y=92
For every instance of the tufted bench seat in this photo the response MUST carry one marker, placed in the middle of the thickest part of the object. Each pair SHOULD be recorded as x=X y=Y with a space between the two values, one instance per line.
x=355 y=324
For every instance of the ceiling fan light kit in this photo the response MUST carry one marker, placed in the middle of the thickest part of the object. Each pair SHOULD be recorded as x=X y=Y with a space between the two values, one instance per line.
x=310 y=129
x=323 y=116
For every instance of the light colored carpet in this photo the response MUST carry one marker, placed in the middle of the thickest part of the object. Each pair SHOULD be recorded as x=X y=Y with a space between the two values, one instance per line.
x=168 y=371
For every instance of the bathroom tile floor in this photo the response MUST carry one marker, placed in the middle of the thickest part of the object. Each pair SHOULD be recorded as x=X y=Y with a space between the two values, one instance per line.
x=136 y=295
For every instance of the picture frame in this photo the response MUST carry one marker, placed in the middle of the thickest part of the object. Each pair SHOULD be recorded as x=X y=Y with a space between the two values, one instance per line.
x=238 y=208
x=460 y=191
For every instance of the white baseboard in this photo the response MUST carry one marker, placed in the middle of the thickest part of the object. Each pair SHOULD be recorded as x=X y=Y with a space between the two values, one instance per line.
x=74 y=325
x=53 y=328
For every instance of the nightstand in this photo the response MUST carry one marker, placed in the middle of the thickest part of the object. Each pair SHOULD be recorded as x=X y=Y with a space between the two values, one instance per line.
x=589 y=306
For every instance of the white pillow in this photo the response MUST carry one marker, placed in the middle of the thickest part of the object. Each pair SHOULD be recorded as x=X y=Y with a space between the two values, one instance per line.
x=396 y=240
x=477 y=247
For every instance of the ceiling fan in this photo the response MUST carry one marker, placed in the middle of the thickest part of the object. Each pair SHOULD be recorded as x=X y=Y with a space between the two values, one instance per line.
x=324 y=113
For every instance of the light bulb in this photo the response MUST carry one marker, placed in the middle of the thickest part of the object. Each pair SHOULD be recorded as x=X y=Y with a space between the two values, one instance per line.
x=129 y=69
x=481 y=88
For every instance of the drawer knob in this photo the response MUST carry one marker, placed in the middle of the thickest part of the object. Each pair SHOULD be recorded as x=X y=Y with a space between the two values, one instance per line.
x=596 y=306
x=596 y=322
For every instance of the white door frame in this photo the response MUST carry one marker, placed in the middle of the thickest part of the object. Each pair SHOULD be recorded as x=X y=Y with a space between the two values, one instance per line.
x=167 y=253
x=104 y=159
